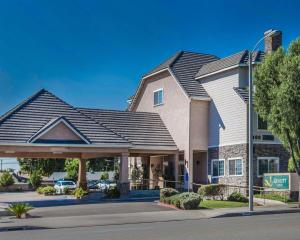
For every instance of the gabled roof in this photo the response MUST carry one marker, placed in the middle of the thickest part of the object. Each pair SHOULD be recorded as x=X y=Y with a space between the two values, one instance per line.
x=29 y=121
x=52 y=124
x=184 y=66
x=140 y=128
x=24 y=121
x=234 y=60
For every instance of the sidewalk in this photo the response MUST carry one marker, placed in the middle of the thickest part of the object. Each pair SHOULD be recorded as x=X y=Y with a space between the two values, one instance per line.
x=134 y=218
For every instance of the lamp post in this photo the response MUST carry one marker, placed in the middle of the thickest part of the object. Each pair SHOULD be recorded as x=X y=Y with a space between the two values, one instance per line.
x=250 y=119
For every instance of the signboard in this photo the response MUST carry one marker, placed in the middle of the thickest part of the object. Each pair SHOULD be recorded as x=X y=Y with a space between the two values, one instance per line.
x=278 y=181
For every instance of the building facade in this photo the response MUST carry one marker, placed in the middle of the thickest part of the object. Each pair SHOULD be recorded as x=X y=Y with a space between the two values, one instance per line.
x=203 y=101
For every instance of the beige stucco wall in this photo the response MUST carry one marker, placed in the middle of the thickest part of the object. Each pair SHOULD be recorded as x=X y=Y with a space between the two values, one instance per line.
x=175 y=110
x=60 y=132
x=199 y=125
x=186 y=119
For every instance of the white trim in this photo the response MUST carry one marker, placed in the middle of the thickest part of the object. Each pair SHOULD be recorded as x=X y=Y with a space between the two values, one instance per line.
x=104 y=145
x=54 y=125
x=232 y=159
x=201 y=98
x=217 y=160
x=162 y=97
x=157 y=72
x=228 y=144
x=268 y=158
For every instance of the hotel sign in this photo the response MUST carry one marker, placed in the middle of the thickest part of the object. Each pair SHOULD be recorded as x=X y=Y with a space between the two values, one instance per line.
x=277 y=181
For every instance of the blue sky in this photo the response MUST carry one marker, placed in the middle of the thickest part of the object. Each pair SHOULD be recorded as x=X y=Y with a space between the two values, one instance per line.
x=93 y=53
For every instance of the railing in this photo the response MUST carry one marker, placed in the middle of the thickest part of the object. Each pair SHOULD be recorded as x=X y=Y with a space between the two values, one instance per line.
x=150 y=184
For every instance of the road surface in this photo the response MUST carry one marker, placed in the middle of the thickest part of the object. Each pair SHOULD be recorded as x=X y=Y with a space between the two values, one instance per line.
x=275 y=227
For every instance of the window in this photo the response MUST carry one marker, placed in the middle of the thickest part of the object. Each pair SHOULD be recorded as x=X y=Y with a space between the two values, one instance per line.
x=217 y=167
x=158 y=97
x=235 y=167
x=261 y=124
x=267 y=165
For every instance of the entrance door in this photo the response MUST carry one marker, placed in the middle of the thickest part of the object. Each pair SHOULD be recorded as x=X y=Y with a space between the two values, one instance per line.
x=199 y=167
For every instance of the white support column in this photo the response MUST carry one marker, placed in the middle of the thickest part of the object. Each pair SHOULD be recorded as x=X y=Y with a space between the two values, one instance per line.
x=123 y=179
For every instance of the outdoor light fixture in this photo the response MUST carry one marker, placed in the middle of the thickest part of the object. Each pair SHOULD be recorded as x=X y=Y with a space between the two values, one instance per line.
x=250 y=118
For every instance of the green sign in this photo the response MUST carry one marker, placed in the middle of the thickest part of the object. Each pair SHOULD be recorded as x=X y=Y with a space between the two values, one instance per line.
x=277 y=181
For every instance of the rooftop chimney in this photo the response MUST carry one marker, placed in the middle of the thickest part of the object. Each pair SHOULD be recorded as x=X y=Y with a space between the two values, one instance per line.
x=273 y=41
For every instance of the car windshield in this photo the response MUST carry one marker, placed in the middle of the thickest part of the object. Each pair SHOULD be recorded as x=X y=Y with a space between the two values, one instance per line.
x=67 y=183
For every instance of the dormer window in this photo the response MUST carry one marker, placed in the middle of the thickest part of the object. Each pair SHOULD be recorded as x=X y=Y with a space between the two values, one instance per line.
x=158 y=97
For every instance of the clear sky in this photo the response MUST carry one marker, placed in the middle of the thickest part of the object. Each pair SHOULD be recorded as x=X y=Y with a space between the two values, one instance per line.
x=93 y=53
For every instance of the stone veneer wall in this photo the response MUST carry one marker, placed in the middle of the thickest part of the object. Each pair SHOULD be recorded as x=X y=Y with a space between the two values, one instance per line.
x=241 y=150
x=270 y=150
x=226 y=152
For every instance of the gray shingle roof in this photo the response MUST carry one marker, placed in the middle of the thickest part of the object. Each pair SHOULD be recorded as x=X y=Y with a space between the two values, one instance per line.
x=140 y=128
x=243 y=93
x=230 y=61
x=184 y=66
x=108 y=127
x=19 y=125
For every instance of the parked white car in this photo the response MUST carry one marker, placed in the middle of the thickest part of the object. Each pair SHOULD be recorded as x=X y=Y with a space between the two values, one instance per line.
x=105 y=184
x=62 y=185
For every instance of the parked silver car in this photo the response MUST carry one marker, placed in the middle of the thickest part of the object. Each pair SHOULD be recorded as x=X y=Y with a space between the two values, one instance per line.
x=62 y=185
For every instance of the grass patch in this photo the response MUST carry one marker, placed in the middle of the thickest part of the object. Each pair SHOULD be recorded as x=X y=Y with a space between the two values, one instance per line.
x=221 y=204
x=273 y=196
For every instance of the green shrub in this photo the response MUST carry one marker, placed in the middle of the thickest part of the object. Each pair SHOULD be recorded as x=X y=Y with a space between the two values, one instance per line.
x=79 y=193
x=6 y=180
x=48 y=190
x=68 y=191
x=166 y=193
x=190 y=201
x=237 y=197
x=187 y=200
x=104 y=176
x=112 y=192
x=212 y=191
x=35 y=179
x=19 y=209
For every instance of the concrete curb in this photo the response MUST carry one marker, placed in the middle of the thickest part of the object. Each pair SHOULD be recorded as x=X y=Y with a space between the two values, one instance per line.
x=260 y=212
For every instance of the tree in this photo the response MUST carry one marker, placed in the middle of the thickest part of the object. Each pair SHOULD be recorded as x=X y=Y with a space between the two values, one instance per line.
x=35 y=179
x=71 y=167
x=45 y=166
x=6 y=180
x=277 y=98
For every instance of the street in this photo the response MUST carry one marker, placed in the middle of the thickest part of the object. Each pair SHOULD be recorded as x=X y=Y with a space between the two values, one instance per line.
x=275 y=227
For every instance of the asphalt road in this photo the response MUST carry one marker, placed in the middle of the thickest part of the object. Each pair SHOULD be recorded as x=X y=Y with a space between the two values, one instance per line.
x=97 y=209
x=275 y=227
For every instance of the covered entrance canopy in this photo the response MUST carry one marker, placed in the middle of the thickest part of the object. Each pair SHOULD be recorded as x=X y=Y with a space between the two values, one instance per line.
x=44 y=126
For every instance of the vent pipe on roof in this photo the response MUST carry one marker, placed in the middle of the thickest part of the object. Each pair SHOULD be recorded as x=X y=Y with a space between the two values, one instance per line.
x=272 y=41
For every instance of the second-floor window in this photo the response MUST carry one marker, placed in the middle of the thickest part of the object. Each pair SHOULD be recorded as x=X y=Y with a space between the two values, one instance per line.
x=158 y=97
x=261 y=124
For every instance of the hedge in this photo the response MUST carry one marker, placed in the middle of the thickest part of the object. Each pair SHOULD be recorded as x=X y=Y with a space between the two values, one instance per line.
x=212 y=191
x=187 y=200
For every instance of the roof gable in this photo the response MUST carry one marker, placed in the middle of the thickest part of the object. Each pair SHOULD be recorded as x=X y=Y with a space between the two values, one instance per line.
x=183 y=66
x=235 y=60
x=20 y=124
x=59 y=130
